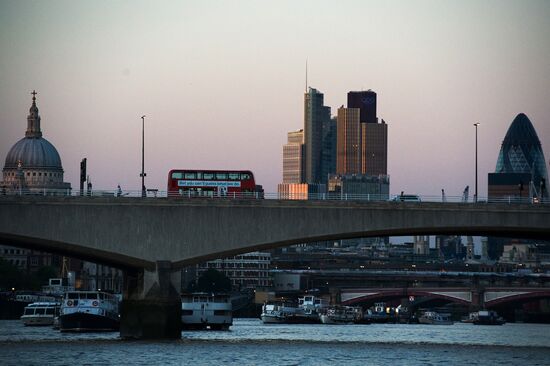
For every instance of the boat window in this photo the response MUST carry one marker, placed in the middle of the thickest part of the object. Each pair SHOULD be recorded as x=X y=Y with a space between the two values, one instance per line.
x=187 y=312
x=72 y=295
x=203 y=299
x=208 y=176
x=49 y=311
x=29 y=311
x=40 y=311
x=91 y=296
x=102 y=296
x=177 y=175
x=221 y=176
x=189 y=175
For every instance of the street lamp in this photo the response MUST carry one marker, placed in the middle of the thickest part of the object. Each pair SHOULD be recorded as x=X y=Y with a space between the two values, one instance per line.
x=142 y=175
x=475 y=196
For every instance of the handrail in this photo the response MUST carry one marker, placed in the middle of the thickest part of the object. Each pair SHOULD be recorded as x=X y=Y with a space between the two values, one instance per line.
x=331 y=196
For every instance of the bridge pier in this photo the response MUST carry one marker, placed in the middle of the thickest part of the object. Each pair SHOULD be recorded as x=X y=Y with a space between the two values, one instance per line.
x=151 y=307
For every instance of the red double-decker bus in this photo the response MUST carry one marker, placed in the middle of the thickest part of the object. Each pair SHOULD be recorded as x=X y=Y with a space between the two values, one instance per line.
x=211 y=183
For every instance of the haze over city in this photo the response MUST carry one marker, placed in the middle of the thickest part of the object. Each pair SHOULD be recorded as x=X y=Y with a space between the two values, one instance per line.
x=221 y=83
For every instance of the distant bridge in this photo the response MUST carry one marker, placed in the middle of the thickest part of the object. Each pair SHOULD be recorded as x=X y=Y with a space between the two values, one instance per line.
x=476 y=297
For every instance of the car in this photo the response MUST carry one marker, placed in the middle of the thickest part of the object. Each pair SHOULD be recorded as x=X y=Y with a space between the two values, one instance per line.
x=407 y=198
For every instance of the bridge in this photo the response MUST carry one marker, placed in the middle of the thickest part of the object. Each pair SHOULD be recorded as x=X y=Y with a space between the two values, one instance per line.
x=475 y=297
x=153 y=238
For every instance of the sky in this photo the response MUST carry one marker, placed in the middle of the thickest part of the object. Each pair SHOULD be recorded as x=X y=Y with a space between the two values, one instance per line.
x=222 y=82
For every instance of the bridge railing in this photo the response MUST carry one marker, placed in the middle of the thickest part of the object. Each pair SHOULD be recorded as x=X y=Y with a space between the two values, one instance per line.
x=331 y=196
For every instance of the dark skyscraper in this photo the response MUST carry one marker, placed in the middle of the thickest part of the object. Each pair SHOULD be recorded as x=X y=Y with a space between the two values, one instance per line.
x=316 y=114
x=366 y=102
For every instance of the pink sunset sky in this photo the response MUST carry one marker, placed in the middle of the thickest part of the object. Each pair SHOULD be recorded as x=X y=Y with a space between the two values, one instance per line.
x=222 y=82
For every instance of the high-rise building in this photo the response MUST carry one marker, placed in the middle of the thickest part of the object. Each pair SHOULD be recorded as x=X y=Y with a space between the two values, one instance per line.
x=316 y=114
x=328 y=154
x=293 y=158
x=366 y=102
x=521 y=169
x=374 y=148
x=348 y=150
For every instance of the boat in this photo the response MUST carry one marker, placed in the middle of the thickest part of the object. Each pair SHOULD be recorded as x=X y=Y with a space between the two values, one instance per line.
x=278 y=312
x=309 y=310
x=342 y=315
x=470 y=318
x=89 y=311
x=202 y=310
x=40 y=313
x=435 y=318
x=488 y=317
x=379 y=313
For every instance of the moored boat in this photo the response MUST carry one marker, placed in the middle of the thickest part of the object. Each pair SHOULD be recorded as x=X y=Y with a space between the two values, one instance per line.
x=206 y=311
x=278 y=312
x=435 y=318
x=40 y=313
x=342 y=315
x=488 y=317
x=89 y=311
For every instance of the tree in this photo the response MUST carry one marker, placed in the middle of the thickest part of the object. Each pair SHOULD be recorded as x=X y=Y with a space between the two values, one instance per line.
x=212 y=281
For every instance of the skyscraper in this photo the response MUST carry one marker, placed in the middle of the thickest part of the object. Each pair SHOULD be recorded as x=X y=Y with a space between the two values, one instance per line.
x=348 y=158
x=374 y=148
x=521 y=169
x=362 y=141
x=293 y=162
x=366 y=102
x=315 y=115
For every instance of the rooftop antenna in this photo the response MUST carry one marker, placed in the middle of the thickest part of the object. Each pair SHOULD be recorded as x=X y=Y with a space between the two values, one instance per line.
x=306 y=74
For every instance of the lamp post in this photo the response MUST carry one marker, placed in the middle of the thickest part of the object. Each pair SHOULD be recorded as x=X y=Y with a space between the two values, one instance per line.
x=475 y=195
x=142 y=175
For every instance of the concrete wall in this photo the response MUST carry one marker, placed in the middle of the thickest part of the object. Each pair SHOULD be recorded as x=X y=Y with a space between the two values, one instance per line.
x=136 y=233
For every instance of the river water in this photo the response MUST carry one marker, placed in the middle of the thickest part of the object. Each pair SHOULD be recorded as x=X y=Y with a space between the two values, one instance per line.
x=249 y=342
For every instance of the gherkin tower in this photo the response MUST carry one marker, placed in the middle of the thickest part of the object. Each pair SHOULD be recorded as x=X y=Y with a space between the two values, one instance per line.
x=521 y=152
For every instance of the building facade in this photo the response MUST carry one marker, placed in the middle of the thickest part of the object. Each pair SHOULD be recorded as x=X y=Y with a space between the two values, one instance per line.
x=521 y=167
x=374 y=148
x=249 y=270
x=293 y=158
x=348 y=150
x=365 y=101
x=316 y=114
x=33 y=164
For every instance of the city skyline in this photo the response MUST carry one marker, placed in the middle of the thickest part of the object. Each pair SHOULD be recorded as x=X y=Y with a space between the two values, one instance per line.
x=226 y=100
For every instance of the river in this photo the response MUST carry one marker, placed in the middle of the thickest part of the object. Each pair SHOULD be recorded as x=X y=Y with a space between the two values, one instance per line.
x=250 y=342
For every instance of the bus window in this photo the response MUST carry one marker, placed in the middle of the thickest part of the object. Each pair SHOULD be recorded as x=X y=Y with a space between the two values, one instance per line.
x=208 y=176
x=234 y=176
x=245 y=176
x=221 y=176
x=177 y=175
x=199 y=175
x=189 y=175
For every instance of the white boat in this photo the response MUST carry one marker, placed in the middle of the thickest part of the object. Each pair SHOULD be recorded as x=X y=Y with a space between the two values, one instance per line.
x=278 y=312
x=89 y=311
x=342 y=315
x=432 y=317
x=206 y=311
x=40 y=313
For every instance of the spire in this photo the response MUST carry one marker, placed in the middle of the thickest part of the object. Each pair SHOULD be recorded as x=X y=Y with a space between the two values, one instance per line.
x=33 y=120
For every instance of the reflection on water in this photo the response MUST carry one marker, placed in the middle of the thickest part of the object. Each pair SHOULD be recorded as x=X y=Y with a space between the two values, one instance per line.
x=251 y=342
